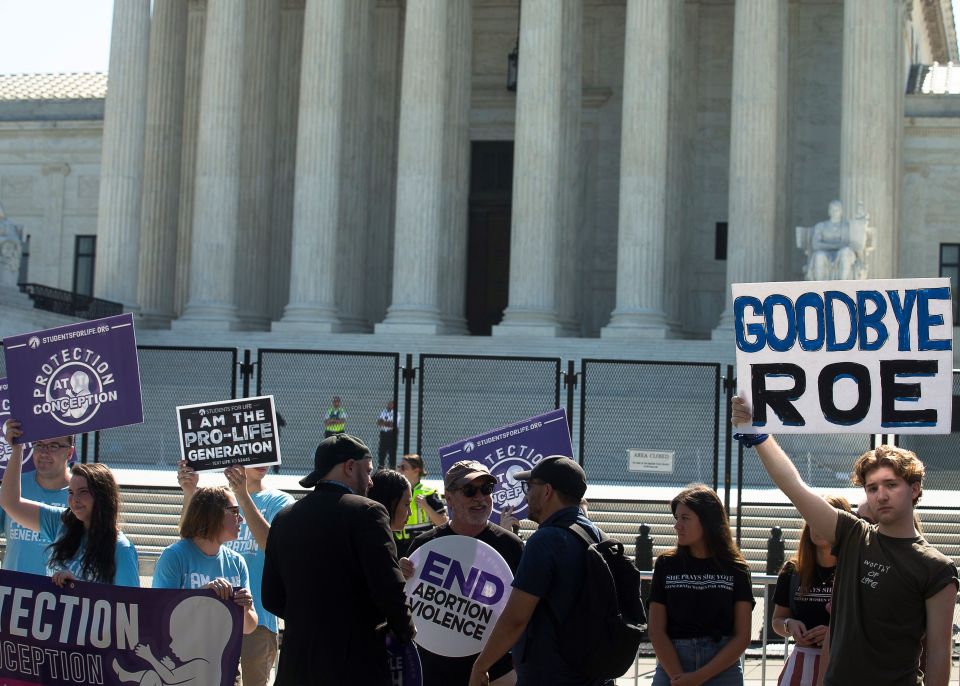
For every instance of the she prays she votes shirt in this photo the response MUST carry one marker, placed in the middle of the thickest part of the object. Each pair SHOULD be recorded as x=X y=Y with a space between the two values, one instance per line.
x=27 y=549
x=699 y=594
x=128 y=569
x=184 y=565
x=269 y=503
x=809 y=604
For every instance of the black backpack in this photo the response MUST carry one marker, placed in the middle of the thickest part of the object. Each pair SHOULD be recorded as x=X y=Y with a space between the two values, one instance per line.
x=602 y=635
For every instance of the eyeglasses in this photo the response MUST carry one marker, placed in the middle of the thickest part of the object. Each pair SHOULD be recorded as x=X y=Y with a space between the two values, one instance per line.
x=234 y=510
x=50 y=447
x=525 y=485
x=470 y=490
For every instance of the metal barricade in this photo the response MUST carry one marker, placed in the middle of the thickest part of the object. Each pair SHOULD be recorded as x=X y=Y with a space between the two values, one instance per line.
x=464 y=395
x=304 y=382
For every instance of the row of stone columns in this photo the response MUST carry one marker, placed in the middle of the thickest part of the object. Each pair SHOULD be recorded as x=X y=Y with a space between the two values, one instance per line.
x=199 y=196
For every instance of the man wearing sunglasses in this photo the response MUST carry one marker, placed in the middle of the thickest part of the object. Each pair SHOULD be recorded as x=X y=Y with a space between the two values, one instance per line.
x=26 y=549
x=468 y=485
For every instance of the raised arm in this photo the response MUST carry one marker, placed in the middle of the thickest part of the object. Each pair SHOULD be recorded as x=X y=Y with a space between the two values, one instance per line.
x=26 y=513
x=237 y=478
x=939 y=630
x=820 y=515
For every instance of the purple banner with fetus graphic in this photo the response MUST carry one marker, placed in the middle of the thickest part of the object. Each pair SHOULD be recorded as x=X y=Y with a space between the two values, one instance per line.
x=73 y=379
x=510 y=449
x=102 y=634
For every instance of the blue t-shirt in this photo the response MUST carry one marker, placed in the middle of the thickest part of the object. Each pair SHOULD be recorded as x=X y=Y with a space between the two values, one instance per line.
x=184 y=565
x=27 y=549
x=269 y=503
x=125 y=555
x=551 y=569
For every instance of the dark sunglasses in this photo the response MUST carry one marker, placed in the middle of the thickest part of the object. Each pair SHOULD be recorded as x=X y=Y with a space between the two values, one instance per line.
x=525 y=485
x=470 y=490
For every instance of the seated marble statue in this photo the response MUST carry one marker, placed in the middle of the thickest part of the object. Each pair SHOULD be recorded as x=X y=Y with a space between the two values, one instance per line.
x=835 y=248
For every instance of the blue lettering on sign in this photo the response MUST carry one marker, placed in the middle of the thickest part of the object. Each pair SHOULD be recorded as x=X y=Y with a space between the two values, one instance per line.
x=475 y=584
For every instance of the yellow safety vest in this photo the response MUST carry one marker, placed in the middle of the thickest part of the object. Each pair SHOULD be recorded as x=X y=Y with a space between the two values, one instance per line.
x=418 y=517
x=336 y=414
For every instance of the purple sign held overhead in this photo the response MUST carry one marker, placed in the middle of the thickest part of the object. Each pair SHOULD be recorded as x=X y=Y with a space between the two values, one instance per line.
x=76 y=378
x=510 y=449
x=5 y=450
x=103 y=634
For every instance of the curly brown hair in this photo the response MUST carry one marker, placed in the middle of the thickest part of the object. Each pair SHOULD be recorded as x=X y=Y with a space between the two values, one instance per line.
x=204 y=516
x=904 y=464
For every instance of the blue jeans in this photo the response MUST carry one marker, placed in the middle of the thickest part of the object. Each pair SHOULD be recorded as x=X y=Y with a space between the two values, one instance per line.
x=694 y=653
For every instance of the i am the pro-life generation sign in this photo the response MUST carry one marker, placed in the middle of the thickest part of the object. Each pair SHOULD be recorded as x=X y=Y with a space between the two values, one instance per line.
x=514 y=448
x=73 y=379
x=872 y=356
x=229 y=432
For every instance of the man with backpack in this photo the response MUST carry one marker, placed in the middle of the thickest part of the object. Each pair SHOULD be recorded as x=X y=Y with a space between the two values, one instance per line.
x=568 y=621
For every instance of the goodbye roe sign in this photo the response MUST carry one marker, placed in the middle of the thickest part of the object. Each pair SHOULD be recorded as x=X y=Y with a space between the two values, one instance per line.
x=457 y=593
x=846 y=356
x=229 y=432
x=76 y=378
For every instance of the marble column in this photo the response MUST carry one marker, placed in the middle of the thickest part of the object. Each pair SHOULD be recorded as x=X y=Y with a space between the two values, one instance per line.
x=196 y=27
x=285 y=154
x=755 y=127
x=332 y=30
x=217 y=182
x=545 y=170
x=161 y=165
x=261 y=59
x=641 y=254
x=431 y=172
x=871 y=122
x=121 y=168
x=54 y=196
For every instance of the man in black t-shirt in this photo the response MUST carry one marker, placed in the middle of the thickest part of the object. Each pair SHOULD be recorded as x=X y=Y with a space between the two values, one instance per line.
x=468 y=486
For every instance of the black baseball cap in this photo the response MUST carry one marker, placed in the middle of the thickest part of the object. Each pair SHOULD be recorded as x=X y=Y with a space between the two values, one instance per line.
x=559 y=471
x=331 y=452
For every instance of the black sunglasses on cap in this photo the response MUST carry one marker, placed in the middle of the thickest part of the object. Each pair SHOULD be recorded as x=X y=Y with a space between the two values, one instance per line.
x=470 y=490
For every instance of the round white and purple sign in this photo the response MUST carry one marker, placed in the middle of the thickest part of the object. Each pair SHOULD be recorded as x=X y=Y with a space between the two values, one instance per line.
x=457 y=593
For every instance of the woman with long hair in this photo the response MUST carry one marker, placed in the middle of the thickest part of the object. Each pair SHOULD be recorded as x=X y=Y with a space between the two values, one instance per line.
x=701 y=598
x=804 y=590
x=87 y=543
x=201 y=560
x=392 y=490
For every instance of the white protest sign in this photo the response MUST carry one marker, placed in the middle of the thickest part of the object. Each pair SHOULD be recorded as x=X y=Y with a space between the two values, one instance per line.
x=460 y=587
x=229 y=432
x=659 y=461
x=871 y=356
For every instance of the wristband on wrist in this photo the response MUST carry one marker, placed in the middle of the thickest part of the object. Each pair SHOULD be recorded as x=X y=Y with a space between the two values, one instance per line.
x=751 y=440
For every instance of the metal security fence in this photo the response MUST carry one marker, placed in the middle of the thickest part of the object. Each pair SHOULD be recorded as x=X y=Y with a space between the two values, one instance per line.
x=304 y=382
x=938 y=451
x=461 y=396
x=668 y=410
x=169 y=376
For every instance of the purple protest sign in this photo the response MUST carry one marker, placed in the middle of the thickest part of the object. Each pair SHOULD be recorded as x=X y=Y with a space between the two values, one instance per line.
x=510 y=449
x=76 y=378
x=28 y=465
x=404 y=659
x=103 y=634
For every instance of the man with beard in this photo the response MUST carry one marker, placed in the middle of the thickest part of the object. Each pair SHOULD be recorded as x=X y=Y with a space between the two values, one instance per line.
x=331 y=573
x=468 y=485
x=26 y=549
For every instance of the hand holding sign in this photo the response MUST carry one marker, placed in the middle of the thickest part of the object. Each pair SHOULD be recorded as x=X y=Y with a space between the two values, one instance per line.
x=229 y=432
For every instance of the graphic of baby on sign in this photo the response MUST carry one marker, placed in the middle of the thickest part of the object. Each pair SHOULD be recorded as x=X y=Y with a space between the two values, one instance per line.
x=79 y=386
x=199 y=631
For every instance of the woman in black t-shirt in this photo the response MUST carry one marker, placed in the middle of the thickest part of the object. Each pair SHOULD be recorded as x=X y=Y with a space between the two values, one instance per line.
x=804 y=589
x=701 y=598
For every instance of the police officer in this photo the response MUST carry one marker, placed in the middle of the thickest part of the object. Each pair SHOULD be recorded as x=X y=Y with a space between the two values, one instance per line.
x=426 y=507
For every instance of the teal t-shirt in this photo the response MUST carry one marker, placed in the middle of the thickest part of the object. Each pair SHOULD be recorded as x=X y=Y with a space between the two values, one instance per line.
x=184 y=565
x=128 y=568
x=269 y=503
x=26 y=549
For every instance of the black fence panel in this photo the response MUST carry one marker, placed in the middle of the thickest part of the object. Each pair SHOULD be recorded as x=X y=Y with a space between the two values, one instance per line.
x=940 y=453
x=463 y=396
x=169 y=376
x=649 y=406
x=823 y=460
x=304 y=382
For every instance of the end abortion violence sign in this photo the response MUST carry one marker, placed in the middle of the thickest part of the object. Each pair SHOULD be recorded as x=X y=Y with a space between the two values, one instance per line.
x=872 y=356
x=457 y=593
x=229 y=432
x=76 y=378
x=510 y=449
x=105 y=634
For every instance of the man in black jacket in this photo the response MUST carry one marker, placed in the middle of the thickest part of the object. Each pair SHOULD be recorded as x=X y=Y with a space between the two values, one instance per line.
x=331 y=573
